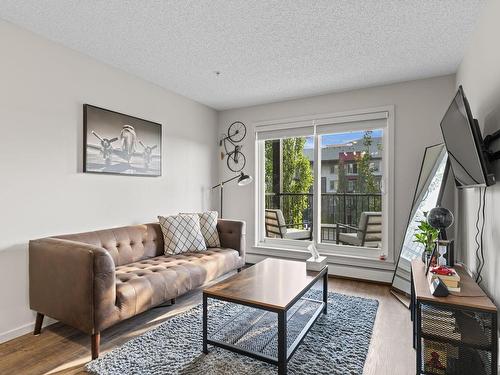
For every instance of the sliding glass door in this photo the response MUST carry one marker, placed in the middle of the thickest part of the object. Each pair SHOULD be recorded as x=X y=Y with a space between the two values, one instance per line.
x=352 y=166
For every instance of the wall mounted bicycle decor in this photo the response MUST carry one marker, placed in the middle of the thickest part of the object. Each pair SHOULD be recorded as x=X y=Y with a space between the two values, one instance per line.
x=236 y=160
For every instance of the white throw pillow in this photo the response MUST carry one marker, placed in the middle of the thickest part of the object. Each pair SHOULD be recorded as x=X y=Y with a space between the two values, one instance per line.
x=208 y=225
x=181 y=234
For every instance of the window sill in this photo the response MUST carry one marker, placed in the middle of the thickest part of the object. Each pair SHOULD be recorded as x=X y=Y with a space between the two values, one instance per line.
x=332 y=257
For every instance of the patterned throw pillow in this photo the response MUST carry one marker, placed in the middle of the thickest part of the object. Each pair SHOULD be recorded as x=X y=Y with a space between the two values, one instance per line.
x=181 y=233
x=208 y=224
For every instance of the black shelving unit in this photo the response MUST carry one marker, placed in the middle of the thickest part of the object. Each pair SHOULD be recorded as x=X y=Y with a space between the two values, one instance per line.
x=455 y=334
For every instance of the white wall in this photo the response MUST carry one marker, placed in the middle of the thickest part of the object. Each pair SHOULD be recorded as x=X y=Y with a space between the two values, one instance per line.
x=419 y=107
x=42 y=88
x=479 y=73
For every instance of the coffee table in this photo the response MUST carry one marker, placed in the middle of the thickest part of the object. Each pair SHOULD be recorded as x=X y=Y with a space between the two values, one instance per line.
x=273 y=285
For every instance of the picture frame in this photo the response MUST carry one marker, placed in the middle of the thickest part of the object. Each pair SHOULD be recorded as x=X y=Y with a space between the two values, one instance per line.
x=120 y=144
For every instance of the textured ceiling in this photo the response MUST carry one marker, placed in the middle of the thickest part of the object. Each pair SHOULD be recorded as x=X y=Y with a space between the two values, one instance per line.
x=265 y=50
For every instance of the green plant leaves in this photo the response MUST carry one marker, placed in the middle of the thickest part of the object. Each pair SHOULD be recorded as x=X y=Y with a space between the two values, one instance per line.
x=427 y=235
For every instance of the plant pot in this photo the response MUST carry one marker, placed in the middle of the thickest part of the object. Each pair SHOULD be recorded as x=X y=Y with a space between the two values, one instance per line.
x=426 y=256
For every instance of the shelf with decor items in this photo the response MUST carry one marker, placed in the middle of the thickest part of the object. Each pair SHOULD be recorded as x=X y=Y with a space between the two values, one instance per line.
x=456 y=334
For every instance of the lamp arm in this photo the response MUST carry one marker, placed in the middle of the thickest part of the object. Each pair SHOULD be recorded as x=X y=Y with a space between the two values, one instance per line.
x=225 y=182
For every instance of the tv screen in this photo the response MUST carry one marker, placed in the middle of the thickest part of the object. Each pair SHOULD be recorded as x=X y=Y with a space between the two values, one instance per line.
x=464 y=144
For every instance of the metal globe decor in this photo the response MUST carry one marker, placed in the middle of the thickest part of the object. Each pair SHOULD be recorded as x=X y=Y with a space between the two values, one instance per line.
x=440 y=218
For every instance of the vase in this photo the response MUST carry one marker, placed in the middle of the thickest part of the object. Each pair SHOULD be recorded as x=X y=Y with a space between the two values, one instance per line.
x=426 y=255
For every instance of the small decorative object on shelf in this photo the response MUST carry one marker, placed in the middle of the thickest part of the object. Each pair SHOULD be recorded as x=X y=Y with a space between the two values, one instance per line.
x=447 y=275
x=442 y=248
x=439 y=289
x=442 y=271
x=441 y=218
x=315 y=262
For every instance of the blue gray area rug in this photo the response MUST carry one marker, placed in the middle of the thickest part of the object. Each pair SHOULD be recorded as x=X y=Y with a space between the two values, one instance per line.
x=336 y=344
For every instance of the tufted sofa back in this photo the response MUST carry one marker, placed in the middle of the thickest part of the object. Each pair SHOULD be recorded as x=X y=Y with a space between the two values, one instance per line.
x=125 y=244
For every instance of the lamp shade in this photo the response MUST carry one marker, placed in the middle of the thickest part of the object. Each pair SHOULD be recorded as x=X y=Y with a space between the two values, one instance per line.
x=244 y=179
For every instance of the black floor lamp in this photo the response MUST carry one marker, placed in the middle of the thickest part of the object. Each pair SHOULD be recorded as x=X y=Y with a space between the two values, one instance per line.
x=243 y=179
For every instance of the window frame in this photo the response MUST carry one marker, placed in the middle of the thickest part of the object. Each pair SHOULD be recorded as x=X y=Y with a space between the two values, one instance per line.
x=341 y=121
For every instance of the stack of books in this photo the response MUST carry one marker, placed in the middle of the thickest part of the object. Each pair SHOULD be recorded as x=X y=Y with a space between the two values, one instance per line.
x=451 y=281
x=440 y=323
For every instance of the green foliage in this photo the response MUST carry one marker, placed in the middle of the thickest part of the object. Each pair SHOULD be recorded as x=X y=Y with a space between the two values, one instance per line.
x=342 y=184
x=269 y=166
x=367 y=183
x=297 y=177
x=427 y=235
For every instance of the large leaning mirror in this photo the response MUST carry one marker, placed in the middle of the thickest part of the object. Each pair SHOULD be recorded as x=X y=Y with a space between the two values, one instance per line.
x=428 y=194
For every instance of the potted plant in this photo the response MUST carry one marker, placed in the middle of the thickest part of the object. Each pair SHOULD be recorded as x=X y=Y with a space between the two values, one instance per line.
x=427 y=236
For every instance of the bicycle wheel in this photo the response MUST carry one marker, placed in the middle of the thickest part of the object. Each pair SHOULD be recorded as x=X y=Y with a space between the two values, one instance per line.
x=237 y=131
x=236 y=161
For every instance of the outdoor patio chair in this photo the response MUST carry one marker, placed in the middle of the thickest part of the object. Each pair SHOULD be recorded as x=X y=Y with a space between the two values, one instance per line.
x=368 y=233
x=277 y=228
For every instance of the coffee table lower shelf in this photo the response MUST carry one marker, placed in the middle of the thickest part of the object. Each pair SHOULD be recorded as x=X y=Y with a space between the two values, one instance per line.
x=283 y=329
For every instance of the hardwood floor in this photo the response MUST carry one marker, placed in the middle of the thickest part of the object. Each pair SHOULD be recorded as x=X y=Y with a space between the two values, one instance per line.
x=63 y=350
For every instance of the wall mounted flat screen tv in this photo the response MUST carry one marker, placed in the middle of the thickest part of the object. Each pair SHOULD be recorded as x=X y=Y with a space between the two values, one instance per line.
x=464 y=143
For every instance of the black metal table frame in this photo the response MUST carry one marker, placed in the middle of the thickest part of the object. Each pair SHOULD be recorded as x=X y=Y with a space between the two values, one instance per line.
x=284 y=353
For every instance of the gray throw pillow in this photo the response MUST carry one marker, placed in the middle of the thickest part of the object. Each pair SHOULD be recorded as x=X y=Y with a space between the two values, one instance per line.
x=181 y=234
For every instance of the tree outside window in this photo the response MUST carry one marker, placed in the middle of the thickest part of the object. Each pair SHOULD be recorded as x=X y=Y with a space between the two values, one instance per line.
x=297 y=178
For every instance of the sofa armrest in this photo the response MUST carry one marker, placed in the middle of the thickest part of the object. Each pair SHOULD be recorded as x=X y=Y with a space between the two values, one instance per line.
x=232 y=234
x=72 y=282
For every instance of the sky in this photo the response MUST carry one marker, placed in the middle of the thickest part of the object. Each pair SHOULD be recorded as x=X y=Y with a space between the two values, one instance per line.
x=340 y=138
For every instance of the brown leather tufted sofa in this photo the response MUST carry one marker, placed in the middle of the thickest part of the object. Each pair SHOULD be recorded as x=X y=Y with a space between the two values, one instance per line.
x=94 y=280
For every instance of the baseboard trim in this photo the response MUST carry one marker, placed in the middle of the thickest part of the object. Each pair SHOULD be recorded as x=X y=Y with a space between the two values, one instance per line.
x=24 y=329
x=385 y=283
x=340 y=270
x=16 y=332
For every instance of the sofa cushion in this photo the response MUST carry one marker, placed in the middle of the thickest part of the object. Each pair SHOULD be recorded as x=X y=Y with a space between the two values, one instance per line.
x=142 y=285
x=182 y=233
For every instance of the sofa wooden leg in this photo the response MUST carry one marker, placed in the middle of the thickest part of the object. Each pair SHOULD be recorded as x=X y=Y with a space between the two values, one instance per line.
x=239 y=269
x=172 y=301
x=96 y=340
x=38 y=324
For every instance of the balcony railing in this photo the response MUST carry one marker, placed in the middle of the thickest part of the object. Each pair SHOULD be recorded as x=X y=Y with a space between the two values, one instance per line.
x=343 y=208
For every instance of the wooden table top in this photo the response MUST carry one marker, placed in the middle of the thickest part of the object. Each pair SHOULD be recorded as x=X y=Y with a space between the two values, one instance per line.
x=272 y=283
x=471 y=295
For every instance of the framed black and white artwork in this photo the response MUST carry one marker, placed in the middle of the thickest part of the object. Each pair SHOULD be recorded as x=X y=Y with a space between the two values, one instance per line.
x=116 y=143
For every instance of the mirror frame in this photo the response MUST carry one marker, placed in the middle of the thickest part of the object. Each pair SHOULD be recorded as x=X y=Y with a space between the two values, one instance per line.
x=438 y=203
